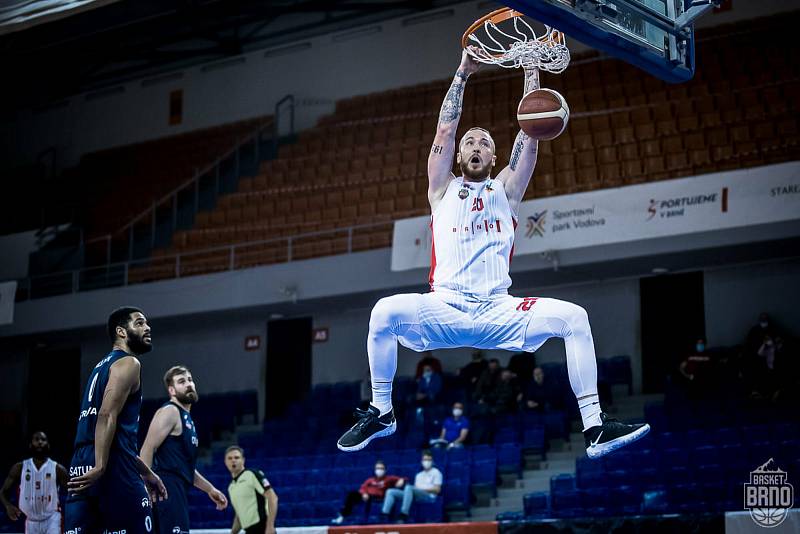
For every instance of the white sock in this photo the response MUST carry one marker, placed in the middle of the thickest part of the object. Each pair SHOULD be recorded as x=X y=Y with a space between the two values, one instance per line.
x=590 y=411
x=382 y=352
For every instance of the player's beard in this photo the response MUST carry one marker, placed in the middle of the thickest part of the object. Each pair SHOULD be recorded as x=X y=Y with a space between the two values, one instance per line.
x=188 y=398
x=475 y=175
x=137 y=344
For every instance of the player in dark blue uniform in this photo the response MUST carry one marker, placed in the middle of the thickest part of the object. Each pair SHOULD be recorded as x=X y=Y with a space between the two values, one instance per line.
x=170 y=448
x=108 y=491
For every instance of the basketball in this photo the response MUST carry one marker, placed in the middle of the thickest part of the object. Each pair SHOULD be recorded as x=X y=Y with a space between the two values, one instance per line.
x=543 y=114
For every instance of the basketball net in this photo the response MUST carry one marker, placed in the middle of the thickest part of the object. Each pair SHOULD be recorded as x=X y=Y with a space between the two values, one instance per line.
x=516 y=44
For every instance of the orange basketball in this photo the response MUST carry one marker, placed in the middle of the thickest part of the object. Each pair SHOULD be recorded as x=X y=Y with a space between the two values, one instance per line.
x=543 y=114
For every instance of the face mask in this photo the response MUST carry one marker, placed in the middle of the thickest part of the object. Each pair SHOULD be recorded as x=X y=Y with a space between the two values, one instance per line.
x=427 y=464
x=457 y=412
x=763 y=324
x=427 y=374
x=700 y=347
x=380 y=472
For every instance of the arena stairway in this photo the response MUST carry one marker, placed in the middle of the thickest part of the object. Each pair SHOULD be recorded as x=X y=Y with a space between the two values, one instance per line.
x=559 y=459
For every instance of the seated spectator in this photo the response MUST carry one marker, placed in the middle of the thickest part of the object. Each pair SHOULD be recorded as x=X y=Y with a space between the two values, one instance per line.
x=696 y=369
x=506 y=394
x=455 y=429
x=471 y=373
x=429 y=385
x=540 y=393
x=522 y=365
x=487 y=382
x=427 y=485
x=431 y=361
x=372 y=488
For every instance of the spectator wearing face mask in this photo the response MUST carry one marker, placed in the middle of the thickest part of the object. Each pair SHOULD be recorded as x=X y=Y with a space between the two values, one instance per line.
x=755 y=337
x=372 y=488
x=427 y=485
x=431 y=361
x=429 y=385
x=455 y=429
x=696 y=368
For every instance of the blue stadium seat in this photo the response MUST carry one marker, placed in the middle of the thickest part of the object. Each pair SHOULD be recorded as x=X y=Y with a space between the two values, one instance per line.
x=428 y=512
x=533 y=439
x=483 y=452
x=484 y=472
x=536 y=504
x=565 y=499
x=560 y=483
x=509 y=457
x=510 y=516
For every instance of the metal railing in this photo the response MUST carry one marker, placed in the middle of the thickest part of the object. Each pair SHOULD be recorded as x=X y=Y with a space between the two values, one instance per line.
x=265 y=136
x=205 y=261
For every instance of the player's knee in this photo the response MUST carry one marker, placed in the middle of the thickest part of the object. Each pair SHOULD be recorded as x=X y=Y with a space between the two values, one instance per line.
x=381 y=318
x=578 y=319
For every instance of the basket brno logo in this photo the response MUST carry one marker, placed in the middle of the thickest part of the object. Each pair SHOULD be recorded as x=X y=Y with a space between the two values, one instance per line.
x=768 y=496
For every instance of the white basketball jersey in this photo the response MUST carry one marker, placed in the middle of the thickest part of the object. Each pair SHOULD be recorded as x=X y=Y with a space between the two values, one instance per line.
x=38 y=490
x=473 y=239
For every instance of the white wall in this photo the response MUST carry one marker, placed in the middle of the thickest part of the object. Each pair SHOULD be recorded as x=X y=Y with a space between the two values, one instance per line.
x=396 y=55
x=735 y=296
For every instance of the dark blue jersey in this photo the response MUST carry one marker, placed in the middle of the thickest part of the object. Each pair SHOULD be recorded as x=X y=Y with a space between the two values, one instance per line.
x=177 y=455
x=122 y=460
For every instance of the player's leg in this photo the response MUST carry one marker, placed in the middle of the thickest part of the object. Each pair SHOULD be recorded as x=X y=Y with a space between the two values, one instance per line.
x=419 y=322
x=171 y=516
x=82 y=515
x=52 y=525
x=125 y=506
x=570 y=322
x=391 y=318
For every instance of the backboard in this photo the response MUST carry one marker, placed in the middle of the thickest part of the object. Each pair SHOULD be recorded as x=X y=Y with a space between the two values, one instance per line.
x=655 y=35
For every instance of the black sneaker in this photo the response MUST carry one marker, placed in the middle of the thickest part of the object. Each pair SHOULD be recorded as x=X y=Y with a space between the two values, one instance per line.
x=611 y=435
x=371 y=425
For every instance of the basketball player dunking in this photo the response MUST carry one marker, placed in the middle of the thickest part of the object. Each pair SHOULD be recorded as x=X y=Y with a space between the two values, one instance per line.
x=39 y=479
x=473 y=217
x=110 y=484
x=170 y=448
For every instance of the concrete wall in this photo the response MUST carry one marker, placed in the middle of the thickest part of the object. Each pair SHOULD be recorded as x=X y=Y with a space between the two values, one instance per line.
x=739 y=295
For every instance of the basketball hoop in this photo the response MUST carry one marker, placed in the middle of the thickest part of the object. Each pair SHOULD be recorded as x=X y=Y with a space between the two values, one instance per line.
x=516 y=43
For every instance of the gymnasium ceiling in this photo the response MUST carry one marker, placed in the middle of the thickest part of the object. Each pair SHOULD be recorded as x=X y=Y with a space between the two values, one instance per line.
x=102 y=42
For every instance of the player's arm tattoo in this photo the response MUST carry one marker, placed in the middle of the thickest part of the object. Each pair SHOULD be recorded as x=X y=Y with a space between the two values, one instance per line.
x=451 y=107
x=531 y=80
x=437 y=149
x=519 y=144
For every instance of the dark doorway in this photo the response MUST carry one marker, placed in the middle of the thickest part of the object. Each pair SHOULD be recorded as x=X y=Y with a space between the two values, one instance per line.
x=288 y=363
x=673 y=317
x=54 y=391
